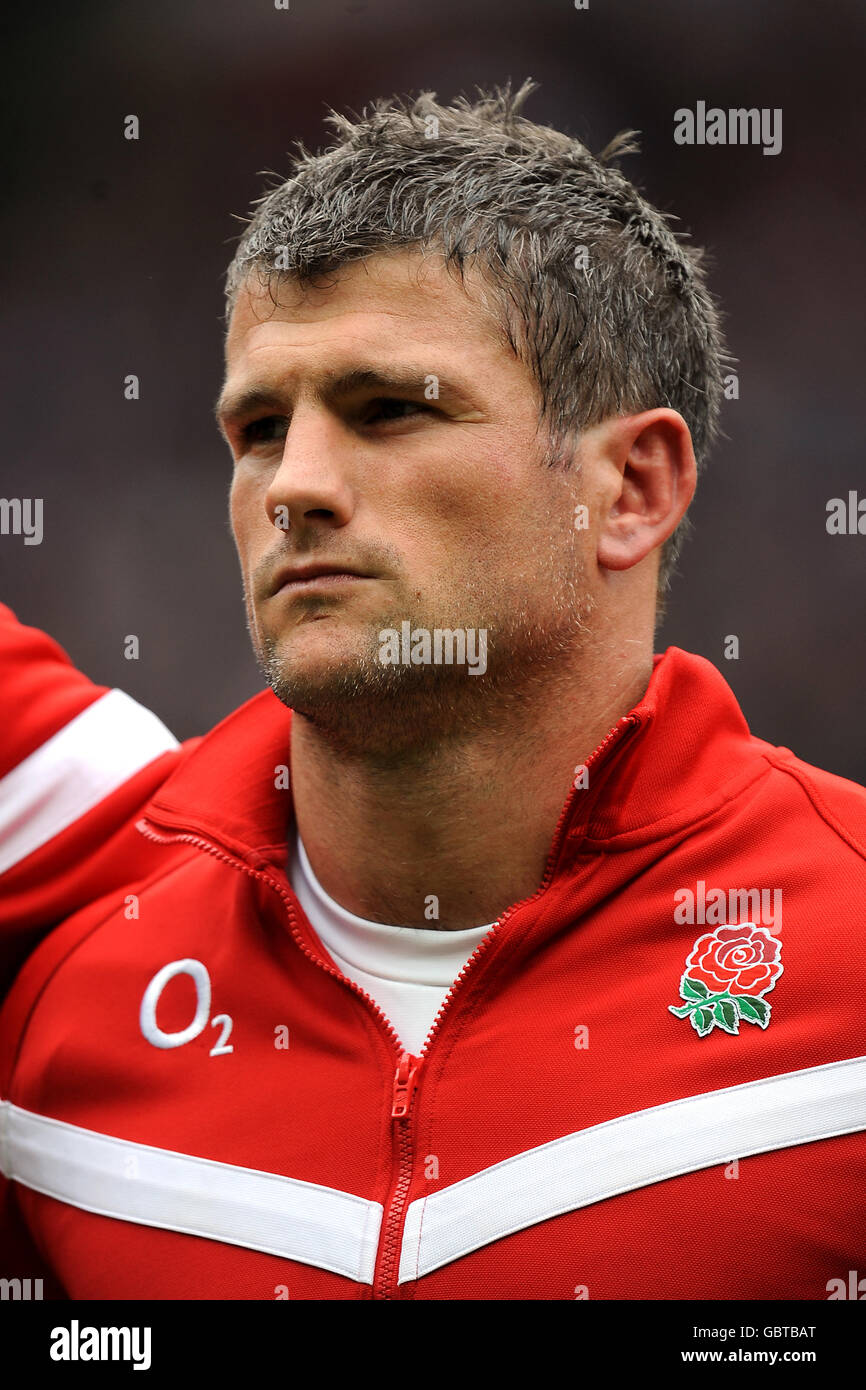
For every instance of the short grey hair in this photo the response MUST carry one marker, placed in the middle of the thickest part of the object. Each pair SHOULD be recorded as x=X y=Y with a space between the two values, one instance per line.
x=595 y=294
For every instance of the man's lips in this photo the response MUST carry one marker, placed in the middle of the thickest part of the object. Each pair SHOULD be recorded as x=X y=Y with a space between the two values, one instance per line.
x=322 y=574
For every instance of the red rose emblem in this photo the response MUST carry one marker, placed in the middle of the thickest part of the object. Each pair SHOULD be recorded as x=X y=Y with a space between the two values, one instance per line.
x=741 y=960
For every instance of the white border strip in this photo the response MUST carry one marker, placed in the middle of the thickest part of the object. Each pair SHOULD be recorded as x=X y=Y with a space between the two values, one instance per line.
x=280 y=1216
x=88 y=759
x=632 y=1151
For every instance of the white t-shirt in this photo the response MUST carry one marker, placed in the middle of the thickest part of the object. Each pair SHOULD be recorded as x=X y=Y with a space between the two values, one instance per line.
x=407 y=970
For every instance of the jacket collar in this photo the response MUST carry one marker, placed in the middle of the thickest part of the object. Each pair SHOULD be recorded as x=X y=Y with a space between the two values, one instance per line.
x=691 y=753
x=689 y=749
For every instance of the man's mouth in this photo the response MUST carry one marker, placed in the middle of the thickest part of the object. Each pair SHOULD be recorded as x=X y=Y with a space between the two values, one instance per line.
x=321 y=575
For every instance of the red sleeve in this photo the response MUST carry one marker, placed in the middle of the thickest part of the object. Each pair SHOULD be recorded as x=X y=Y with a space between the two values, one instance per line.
x=77 y=763
x=40 y=689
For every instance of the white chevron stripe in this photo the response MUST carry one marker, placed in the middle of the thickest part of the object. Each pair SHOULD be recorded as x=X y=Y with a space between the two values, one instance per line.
x=281 y=1216
x=633 y=1151
x=84 y=762
x=335 y=1230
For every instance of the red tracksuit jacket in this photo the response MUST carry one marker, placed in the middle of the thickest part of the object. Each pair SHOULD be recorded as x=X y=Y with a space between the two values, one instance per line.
x=647 y=1083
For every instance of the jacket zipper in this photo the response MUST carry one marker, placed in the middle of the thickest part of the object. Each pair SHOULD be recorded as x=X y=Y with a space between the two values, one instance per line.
x=409 y=1067
x=406 y=1080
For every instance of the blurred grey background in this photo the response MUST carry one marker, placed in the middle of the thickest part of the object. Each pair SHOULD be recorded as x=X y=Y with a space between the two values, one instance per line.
x=114 y=253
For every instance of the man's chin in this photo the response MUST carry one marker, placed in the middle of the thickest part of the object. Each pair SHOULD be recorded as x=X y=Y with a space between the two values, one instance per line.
x=370 y=708
x=319 y=664
x=318 y=642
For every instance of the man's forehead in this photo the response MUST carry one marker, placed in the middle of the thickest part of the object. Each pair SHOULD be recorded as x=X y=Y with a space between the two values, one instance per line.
x=386 y=323
x=398 y=289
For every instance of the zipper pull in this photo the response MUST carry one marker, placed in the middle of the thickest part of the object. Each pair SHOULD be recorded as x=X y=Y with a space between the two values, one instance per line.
x=405 y=1081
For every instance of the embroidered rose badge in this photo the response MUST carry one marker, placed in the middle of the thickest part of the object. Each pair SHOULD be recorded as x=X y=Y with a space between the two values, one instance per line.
x=726 y=975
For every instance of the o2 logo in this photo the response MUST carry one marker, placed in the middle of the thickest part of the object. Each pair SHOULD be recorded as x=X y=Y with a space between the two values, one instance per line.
x=201 y=979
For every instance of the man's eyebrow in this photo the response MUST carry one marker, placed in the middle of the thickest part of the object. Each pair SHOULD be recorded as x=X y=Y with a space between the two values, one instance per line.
x=409 y=378
x=232 y=405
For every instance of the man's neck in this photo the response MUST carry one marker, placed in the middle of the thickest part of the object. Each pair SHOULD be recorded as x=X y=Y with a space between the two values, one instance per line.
x=459 y=830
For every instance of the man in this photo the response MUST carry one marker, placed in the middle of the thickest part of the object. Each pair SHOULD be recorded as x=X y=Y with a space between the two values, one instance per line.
x=454 y=965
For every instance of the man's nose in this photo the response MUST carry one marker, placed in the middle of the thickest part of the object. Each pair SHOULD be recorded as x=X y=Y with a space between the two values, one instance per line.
x=313 y=480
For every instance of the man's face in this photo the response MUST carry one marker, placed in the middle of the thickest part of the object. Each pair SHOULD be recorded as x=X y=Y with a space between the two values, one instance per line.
x=432 y=488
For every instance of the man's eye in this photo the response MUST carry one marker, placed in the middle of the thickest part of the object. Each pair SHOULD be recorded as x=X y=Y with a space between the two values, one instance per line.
x=388 y=408
x=263 y=431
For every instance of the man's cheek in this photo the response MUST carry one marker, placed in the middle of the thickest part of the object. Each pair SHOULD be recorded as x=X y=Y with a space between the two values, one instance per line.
x=247 y=505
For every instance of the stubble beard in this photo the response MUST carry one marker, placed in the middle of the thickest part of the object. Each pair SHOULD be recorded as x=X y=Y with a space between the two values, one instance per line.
x=392 y=712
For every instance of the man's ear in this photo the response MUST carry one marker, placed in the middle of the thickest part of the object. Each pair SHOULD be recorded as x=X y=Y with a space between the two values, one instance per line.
x=650 y=479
